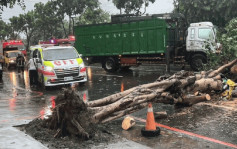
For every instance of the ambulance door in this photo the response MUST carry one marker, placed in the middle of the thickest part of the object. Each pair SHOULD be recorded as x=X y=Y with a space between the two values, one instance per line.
x=38 y=64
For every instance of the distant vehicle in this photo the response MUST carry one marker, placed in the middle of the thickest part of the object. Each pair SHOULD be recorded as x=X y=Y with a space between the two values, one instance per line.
x=10 y=45
x=157 y=39
x=10 y=58
x=56 y=65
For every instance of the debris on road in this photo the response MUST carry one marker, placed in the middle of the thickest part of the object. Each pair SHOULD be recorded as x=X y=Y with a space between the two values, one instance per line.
x=128 y=123
x=160 y=115
x=74 y=117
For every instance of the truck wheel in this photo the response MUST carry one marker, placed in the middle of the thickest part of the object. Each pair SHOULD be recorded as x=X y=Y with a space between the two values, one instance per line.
x=197 y=62
x=110 y=65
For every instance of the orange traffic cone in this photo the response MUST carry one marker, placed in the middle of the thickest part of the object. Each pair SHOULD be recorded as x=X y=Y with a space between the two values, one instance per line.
x=150 y=120
x=150 y=130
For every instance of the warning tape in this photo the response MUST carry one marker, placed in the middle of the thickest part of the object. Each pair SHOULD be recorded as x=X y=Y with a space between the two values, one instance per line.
x=190 y=134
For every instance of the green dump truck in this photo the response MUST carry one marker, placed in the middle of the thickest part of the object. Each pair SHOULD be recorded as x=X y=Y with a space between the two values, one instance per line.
x=133 y=40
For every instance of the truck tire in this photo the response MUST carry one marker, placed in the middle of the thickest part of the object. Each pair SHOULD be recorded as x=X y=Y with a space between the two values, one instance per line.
x=110 y=65
x=197 y=62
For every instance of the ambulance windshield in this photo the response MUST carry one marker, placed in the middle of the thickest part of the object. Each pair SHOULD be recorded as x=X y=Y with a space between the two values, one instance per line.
x=60 y=54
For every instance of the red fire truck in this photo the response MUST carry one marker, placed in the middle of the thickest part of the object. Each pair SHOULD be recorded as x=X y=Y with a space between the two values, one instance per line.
x=11 y=48
x=9 y=45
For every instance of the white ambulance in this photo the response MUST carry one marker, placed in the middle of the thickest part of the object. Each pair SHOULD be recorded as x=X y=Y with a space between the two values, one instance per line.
x=56 y=65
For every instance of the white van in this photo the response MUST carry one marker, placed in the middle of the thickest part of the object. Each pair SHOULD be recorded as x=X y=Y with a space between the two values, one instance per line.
x=56 y=65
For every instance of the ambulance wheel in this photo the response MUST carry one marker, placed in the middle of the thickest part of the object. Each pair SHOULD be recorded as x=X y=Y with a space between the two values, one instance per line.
x=150 y=133
x=110 y=65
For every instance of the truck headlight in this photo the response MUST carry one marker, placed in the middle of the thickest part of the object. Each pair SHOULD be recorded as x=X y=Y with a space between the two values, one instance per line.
x=11 y=61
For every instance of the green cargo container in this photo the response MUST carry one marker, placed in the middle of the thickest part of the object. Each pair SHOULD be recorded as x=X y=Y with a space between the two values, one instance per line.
x=126 y=38
x=133 y=40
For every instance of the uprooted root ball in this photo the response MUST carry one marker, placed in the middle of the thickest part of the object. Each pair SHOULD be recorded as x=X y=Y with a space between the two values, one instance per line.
x=70 y=116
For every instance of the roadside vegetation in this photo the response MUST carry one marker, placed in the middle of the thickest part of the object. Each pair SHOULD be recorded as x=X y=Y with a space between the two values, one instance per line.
x=228 y=39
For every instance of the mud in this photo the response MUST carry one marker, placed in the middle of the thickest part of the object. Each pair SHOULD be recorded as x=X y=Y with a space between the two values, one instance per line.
x=37 y=130
x=69 y=126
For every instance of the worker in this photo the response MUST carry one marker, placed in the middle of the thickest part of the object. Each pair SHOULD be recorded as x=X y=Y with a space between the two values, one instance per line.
x=20 y=62
x=33 y=76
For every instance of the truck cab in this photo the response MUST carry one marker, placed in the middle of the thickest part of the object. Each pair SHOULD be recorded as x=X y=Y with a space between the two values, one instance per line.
x=199 y=35
x=57 y=65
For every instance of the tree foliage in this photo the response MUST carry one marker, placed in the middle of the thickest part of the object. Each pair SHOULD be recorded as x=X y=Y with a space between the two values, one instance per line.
x=132 y=6
x=219 y=12
x=26 y=24
x=4 y=30
x=11 y=3
x=48 y=22
x=91 y=16
x=15 y=27
x=229 y=46
x=73 y=8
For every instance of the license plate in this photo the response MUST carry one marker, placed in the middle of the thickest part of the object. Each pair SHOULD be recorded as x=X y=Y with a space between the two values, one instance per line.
x=68 y=78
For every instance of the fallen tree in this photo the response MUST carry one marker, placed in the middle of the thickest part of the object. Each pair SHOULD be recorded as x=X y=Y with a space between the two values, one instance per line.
x=72 y=116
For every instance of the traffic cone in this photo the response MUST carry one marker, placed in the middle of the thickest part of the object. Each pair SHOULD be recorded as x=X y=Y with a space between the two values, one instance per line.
x=150 y=120
x=150 y=130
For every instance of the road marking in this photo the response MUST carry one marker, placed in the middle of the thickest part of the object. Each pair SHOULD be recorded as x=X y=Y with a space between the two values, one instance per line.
x=190 y=134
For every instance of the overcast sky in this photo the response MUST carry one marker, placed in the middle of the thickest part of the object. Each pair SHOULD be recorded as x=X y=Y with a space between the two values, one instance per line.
x=160 y=6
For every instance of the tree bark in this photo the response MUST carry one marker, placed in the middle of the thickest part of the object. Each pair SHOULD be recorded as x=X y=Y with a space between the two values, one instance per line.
x=181 y=88
x=222 y=68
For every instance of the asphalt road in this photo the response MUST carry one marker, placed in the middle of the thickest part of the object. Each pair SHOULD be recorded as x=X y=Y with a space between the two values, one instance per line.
x=215 y=128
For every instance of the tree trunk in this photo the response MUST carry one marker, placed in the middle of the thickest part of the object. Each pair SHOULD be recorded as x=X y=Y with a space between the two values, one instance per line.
x=73 y=116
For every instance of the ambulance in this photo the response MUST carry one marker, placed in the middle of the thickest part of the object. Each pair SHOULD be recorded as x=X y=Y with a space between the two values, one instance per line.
x=56 y=65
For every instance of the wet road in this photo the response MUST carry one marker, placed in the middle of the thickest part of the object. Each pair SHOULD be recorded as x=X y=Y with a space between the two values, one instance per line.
x=20 y=103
